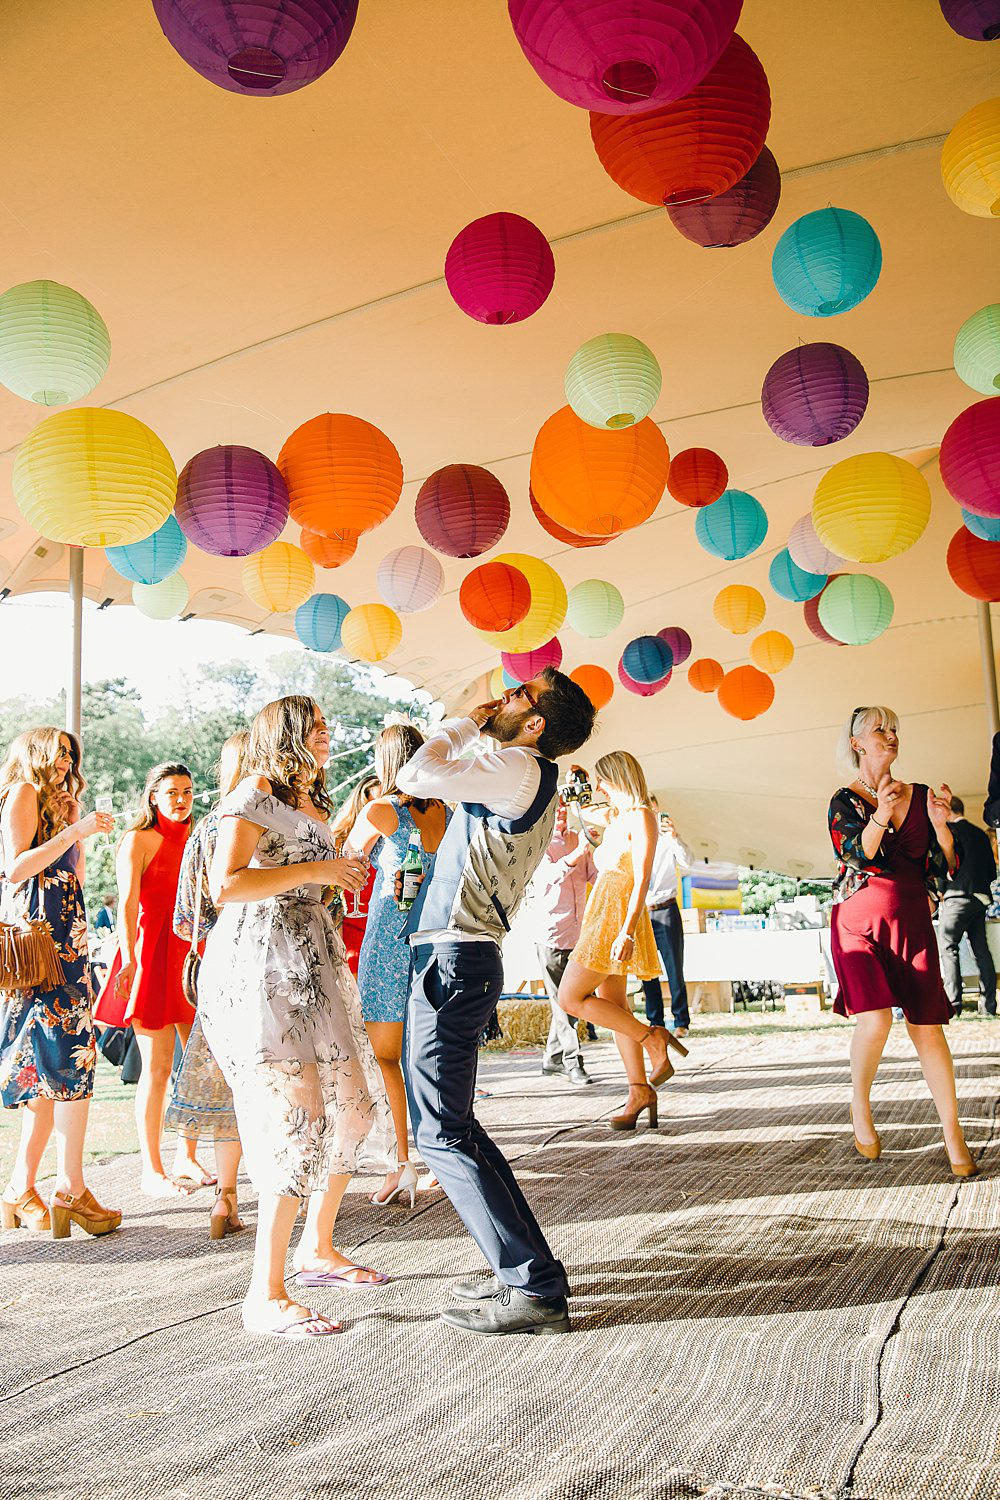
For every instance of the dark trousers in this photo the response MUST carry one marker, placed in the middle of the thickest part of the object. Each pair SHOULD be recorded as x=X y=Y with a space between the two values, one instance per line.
x=454 y=989
x=669 y=935
x=958 y=915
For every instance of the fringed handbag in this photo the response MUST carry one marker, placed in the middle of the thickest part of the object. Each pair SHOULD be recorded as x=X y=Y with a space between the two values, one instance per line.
x=29 y=958
x=192 y=959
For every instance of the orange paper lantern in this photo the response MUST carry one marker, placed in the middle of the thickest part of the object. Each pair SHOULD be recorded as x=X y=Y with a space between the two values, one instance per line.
x=705 y=674
x=596 y=683
x=495 y=596
x=974 y=565
x=745 y=692
x=343 y=475
x=329 y=551
x=739 y=608
x=595 y=482
x=569 y=538
x=697 y=477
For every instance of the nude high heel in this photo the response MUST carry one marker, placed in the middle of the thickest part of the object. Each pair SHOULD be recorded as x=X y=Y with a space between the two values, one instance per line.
x=219 y=1225
x=870 y=1152
x=629 y=1118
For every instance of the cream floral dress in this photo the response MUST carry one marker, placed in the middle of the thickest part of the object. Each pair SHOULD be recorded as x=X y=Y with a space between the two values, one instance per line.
x=282 y=1015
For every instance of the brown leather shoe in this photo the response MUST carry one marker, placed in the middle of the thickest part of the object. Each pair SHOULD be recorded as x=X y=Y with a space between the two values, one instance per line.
x=26 y=1212
x=84 y=1210
x=629 y=1118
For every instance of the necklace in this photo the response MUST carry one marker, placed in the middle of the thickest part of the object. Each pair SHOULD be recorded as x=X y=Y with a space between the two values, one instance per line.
x=869 y=789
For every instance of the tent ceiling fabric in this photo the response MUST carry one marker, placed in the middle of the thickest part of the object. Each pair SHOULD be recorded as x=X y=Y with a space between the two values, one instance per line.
x=260 y=261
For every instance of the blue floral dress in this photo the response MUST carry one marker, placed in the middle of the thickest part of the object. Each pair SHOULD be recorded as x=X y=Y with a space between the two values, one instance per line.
x=47 y=1048
x=384 y=965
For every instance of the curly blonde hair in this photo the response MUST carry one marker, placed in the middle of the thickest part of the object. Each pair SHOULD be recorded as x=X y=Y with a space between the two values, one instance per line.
x=278 y=751
x=32 y=758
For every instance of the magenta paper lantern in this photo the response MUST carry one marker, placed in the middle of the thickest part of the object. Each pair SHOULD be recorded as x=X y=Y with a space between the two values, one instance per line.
x=970 y=458
x=231 y=501
x=735 y=216
x=258 y=46
x=814 y=395
x=462 y=510
x=979 y=20
x=642 y=689
x=679 y=642
x=523 y=665
x=500 y=268
x=622 y=58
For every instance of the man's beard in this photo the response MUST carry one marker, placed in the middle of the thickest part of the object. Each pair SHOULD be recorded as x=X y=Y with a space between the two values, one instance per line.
x=506 y=723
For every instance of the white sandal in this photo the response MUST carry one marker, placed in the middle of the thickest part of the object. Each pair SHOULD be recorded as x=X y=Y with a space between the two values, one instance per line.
x=406 y=1187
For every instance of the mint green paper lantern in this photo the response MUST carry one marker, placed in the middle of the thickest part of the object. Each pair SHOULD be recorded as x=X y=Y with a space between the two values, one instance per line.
x=594 y=608
x=855 y=608
x=161 y=601
x=613 y=381
x=54 y=345
x=977 y=350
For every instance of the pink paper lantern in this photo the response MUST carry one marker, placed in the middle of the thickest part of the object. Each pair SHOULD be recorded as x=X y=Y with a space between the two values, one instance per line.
x=970 y=458
x=500 y=268
x=642 y=689
x=679 y=642
x=523 y=665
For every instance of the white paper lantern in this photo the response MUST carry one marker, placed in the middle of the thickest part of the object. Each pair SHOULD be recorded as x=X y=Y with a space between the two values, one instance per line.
x=410 y=579
x=807 y=551
x=161 y=601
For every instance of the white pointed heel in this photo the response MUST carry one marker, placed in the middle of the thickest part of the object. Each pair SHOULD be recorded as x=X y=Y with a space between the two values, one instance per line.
x=406 y=1187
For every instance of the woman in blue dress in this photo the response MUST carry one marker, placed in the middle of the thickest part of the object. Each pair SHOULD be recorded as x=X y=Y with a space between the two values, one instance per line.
x=383 y=832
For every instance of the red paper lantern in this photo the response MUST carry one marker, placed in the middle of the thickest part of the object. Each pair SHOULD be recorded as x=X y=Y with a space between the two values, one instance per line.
x=596 y=683
x=974 y=565
x=697 y=477
x=494 y=596
x=697 y=147
x=462 y=510
x=597 y=482
x=705 y=674
x=570 y=538
x=329 y=551
x=500 y=268
x=735 y=216
x=810 y=613
x=745 y=692
x=343 y=475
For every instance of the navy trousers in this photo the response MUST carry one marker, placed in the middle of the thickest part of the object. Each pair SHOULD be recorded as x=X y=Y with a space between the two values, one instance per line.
x=669 y=934
x=455 y=987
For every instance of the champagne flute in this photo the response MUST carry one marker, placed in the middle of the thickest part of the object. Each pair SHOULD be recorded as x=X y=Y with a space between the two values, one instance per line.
x=104 y=803
x=351 y=851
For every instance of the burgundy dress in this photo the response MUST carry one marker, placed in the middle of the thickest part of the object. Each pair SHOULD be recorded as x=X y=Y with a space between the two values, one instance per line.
x=882 y=939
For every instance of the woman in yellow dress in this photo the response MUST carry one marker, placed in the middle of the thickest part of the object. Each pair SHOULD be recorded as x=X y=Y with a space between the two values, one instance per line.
x=616 y=938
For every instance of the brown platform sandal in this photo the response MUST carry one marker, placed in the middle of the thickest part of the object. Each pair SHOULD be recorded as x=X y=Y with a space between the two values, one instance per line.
x=219 y=1225
x=629 y=1118
x=84 y=1210
x=26 y=1212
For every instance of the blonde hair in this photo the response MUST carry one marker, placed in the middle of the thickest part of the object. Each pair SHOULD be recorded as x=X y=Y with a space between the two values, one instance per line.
x=32 y=758
x=862 y=721
x=238 y=744
x=146 y=816
x=621 y=770
x=395 y=745
x=278 y=751
x=350 y=809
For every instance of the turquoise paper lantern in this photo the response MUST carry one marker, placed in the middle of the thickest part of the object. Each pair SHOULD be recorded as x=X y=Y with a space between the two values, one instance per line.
x=508 y=681
x=855 y=608
x=977 y=350
x=613 y=381
x=594 y=608
x=826 y=262
x=319 y=622
x=792 y=582
x=153 y=559
x=647 y=659
x=987 y=528
x=732 y=526
x=54 y=345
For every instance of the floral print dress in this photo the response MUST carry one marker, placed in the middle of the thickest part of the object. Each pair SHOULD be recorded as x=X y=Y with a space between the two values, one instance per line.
x=281 y=1013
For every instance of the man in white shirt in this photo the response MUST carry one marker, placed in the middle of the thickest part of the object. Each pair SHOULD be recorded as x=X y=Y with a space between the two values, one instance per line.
x=664 y=913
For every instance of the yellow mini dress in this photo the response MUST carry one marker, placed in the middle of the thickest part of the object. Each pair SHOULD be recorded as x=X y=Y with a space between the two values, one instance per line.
x=603 y=921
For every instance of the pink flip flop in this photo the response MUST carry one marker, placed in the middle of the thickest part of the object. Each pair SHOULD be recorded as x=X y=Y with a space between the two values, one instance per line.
x=344 y=1278
x=315 y=1326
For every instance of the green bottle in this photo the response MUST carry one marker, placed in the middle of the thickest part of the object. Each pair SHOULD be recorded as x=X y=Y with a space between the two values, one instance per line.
x=413 y=873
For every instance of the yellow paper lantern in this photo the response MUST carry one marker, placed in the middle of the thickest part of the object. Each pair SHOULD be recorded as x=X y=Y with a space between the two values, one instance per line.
x=371 y=632
x=161 y=601
x=495 y=686
x=970 y=161
x=739 y=608
x=94 y=477
x=871 y=507
x=546 y=612
x=771 y=652
x=279 y=578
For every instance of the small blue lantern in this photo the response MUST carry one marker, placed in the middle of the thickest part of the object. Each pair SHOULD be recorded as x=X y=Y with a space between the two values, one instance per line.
x=647 y=659
x=987 y=528
x=319 y=621
x=732 y=526
x=793 y=582
x=826 y=262
x=154 y=558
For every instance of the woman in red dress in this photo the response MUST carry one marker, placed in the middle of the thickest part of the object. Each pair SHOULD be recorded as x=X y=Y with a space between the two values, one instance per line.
x=143 y=987
x=895 y=851
x=353 y=927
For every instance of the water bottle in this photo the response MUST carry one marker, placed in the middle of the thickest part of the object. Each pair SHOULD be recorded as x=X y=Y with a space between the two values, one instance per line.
x=413 y=872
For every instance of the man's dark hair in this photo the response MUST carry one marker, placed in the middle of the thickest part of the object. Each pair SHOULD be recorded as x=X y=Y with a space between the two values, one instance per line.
x=957 y=805
x=568 y=713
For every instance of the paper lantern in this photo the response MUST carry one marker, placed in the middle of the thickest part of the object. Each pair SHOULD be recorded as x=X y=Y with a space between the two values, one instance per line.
x=697 y=477
x=679 y=642
x=647 y=658
x=696 y=147
x=970 y=161
x=871 y=507
x=161 y=601
x=343 y=475
x=739 y=608
x=855 y=608
x=410 y=579
x=735 y=216
x=746 y=693
x=495 y=684
x=494 y=596
x=826 y=262
x=810 y=614
x=814 y=395
x=979 y=20
x=507 y=681
x=94 y=477
x=598 y=483
x=600 y=54
x=598 y=684
x=977 y=349
x=790 y=581
x=329 y=551
x=613 y=381
x=705 y=674
x=974 y=565
x=319 y=621
x=523 y=665
x=732 y=526
x=569 y=538
x=231 y=501
x=500 y=268
x=594 y=608
x=985 y=527
x=371 y=632
x=54 y=345
x=771 y=651
x=155 y=558
x=969 y=458
x=807 y=551
x=546 y=613
x=641 y=689
x=280 y=578
x=258 y=46
x=462 y=510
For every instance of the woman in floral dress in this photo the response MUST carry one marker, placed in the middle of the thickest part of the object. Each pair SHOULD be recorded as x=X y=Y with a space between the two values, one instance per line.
x=281 y=1013
x=47 y=1052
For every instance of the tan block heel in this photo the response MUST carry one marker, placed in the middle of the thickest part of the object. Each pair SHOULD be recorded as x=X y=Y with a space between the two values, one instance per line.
x=25 y=1212
x=83 y=1210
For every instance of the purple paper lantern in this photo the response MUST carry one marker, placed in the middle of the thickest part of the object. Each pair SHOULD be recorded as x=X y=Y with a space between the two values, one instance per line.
x=622 y=59
x=231 y=501
x=258 y=46
x=679 y=642
x=462 y=510
x=523 y=665
x=735 y=216
x=814 y=395
x=500 y=269
x=979 y=20
x=970 y=458
x=642 y=689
